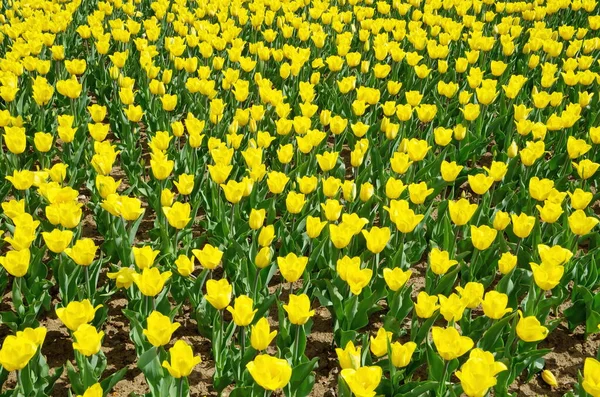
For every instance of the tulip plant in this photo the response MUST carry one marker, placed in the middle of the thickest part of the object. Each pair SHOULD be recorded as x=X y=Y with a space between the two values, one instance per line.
x=418 y=180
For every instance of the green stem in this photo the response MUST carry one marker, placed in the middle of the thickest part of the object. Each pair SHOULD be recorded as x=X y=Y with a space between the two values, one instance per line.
x=442 y=388
x=231 y=234
x=295 y=358
x=256 y=282
x=87 y=283
x=401 y=247
x=180 y=386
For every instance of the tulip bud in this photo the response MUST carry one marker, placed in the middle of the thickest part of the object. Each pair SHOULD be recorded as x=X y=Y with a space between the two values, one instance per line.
x=549 y=378
x=513 y=150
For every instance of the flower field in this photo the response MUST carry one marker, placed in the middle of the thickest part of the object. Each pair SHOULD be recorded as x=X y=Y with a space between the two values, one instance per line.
x=299 y=198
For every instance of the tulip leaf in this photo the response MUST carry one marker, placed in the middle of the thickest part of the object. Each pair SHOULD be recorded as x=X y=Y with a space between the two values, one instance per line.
x=416 y=389
x=109 y=382
x=241 y=391
x=303 y=379
x=150 y=365
x=592 y=322
x=435 y=364
x=447 y=281
x=494 y=333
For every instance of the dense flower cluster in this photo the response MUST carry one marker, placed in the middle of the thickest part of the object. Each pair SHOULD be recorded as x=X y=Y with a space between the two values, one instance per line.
x=255 y=163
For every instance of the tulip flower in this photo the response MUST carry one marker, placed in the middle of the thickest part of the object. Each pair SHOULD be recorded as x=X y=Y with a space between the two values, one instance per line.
x=130 y=208
x=340 y=235
x=507 y=262
x=478 y=373
x=440 y=261
x=354 y=223
x=461 y=211
x=298 y=309
x=449 y=343
x=218 y=293
x=396 y=278
x=77 y=313
x=178 y=215
x=591 y=376
x=124 y=277
x=580 y=224
x=257 y=218
x=292 y=267
x=501 y=220
x=82 y=252
x=452 y=307
x=263 y=257
x=494 y=305
x=57 y=240
x=450 y=171
x=426 y=305
x=377 y=238
x=332 y=209
x=529 y=329
x=471 y=294
x=480 y=183
x=16 y=352
x=580 y=199
x=402 y=353
x=269 y=372
x=586 y=168
x=550 y=212
x=242 y=311
x=276 y=181
x=261 y=335
x=547 y=275
x=93 y=391
x=358 y=278
x=88 y=340
x=350 y=356
x=522 y=224
x=151 y=281
x=364 y=380
x=379 y=344
x=185 y=265
x=418 y=192
x=482 y=237
x=144 y=257
x=314 y=226
x=159 y=329
x=209 y=256
x=234 y=191
x=183 y=360
x=185 y=184
x=555 y=255
x=266 y=235
x=402 y=216
x=16 y=263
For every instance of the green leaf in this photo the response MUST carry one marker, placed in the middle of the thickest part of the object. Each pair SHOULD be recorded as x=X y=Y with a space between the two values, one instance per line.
x=301 y=379
x=110 y=382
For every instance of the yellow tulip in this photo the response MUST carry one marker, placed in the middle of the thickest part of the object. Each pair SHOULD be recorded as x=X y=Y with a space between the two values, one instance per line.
x=242 y=311
x=88 y=340
x=183 y=360
x=449 y=343
x=159 y=329
x=269 y=372
x=298 y=309
x=151 y=281
x=261 y=335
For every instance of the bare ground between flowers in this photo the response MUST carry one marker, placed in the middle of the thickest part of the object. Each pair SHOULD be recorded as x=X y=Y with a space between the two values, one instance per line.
x=566 y=359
